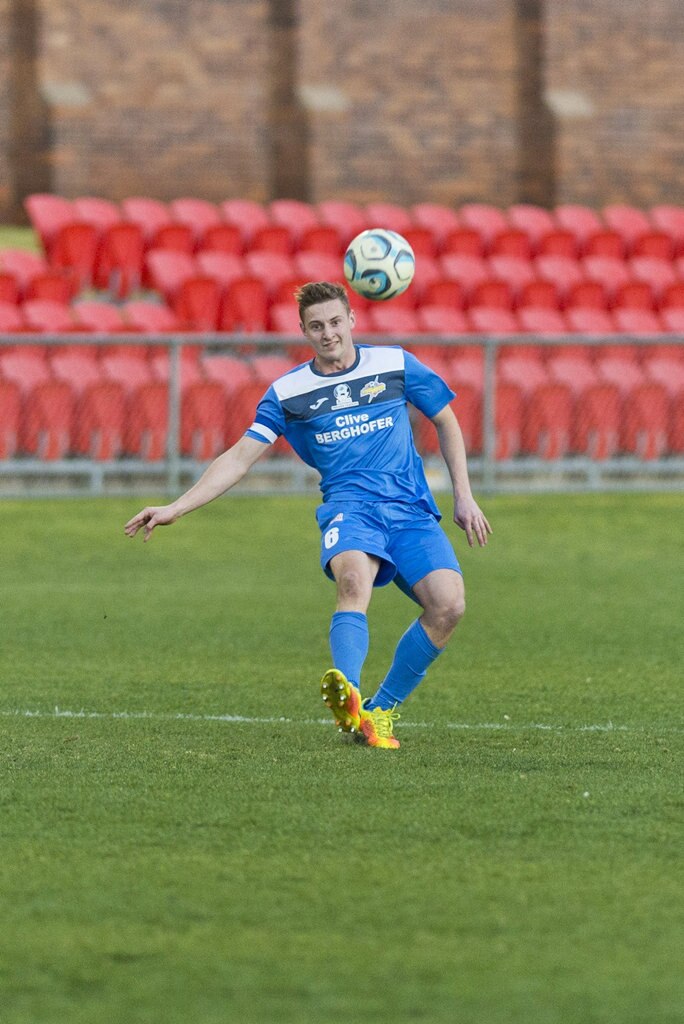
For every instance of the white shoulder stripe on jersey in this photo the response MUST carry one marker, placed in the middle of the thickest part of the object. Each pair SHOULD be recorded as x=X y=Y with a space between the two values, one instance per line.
x=264 y=432
x=372 y=361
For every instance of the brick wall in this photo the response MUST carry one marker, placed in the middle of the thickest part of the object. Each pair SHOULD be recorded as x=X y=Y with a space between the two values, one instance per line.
x=414 y=100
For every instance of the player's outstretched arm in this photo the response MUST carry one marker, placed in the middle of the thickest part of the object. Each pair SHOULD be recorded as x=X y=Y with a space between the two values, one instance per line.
x=223 y=473
x=467 y=513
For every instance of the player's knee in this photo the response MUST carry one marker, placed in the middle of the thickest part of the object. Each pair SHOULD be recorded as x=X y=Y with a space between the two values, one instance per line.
x=445 y=613
x=352 y=585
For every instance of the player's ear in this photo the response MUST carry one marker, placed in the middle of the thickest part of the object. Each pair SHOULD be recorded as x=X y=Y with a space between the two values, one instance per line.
x=352 y=318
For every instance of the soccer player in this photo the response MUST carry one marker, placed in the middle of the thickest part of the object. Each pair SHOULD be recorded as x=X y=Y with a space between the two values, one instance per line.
x=345 y=413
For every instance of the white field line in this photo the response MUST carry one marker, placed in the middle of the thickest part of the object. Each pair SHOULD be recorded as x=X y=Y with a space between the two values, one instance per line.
x=179 y=716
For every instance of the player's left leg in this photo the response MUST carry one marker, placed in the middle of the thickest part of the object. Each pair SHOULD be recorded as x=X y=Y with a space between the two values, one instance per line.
x=442 y=596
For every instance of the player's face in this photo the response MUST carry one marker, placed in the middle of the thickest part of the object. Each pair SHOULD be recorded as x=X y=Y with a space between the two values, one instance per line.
x=328 y=327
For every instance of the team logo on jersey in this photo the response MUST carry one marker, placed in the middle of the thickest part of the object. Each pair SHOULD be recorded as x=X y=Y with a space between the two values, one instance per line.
x=372 y=389
x=343 y=397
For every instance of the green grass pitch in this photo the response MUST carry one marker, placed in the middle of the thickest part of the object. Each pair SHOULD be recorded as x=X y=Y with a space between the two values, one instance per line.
x=171 y=851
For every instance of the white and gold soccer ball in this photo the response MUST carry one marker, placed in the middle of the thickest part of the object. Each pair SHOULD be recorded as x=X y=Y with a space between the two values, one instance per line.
x=379 y=264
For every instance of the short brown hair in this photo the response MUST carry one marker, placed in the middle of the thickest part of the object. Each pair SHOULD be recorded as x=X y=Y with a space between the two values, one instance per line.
x=320 y=291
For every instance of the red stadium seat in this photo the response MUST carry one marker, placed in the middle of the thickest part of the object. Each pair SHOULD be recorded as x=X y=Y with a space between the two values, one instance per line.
x=466 y=366
x=561 y=271
x=515 y=271
x=539 y=295
x=443 y=292
x=78 y=367
x=581 y=221
x=598 y=415
x=645 y=424
x=120 y=259
x=267 y=367
x=670 y=220
x=348 y=218
x=437 y=218
x=23 y=265
x=634 y=295
x=100 y=421
x=559 y=242
x=100 y=213
x=27 y=367
x=48 y=214
x=527 y=372
x=512 y=242
x=672 y=297
x=606 y=243
x=389 y=215
x=665 y=370
x=547 y=427
x=147 y=422
x=675 y=437
x=149 y=214
x=11 y=320
x=487 y=220
x=427 y=271
x=321 y=238
x=53 y=285
x=49 y=317
x=467 y=270
x=126 y=368
x=623 y=373
x=10 y=416
x=637 y=321
x=240 y=409
x=673 y=320
x=659 y=274
x=10 y=291
x=197 y=304
x=229 y=371
x=272 y=238
x=222 y=238
x=509 y=412
x=173 y=237
x=442 y=320
x=387 y=318
x=541 y=320
x=244 y=306
x=246 y=214
x=74 y=249
x=492 y=293
x=587 y=295
x=627 y=220
x=535 y=221
x=488 y=320
x=317 y=266
x=272 y=268
x=168 y=269
x=612 y=273
x=584 y=320
x=47 y=421
x=576 y=371
x=655 y=243
x=422 y=241
x=464 y=241
x=294 y=215
x=149 y=317
x=223 y=267
x=283 y=318
x=190 y=365
x=203 y=420
x=197 y=214
x=103 y=317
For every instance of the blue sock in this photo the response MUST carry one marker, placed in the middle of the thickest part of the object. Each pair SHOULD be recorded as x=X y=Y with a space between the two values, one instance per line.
x=414 y=654
x=349 y=644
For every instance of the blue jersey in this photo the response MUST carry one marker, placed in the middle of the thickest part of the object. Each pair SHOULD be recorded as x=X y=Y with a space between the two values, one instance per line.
x=353 y=426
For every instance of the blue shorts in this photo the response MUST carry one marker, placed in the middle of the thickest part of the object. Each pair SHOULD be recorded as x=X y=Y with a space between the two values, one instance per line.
x=409 y=542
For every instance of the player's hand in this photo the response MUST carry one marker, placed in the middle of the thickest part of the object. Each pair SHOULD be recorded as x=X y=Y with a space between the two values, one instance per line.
x=470 y=517
x=159 y=515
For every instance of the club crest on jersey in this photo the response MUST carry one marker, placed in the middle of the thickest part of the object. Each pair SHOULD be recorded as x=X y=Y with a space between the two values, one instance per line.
x=372 y=389
x=343 y=397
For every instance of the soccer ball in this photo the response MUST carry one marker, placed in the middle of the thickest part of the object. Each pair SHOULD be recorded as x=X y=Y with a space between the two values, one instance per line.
x=379 y=264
